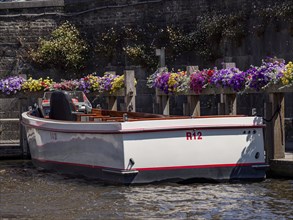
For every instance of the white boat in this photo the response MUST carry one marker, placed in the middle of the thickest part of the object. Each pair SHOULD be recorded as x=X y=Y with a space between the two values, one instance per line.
x=138 y=148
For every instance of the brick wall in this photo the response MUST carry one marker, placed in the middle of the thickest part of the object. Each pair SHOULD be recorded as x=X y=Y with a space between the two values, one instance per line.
x=21 y=26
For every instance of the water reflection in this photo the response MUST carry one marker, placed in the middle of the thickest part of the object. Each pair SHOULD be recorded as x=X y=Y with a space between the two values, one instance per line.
x=30 y=194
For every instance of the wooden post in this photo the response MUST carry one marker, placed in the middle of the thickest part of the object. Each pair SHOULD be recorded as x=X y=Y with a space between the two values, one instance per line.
x=166 y=104
x=228 y=104
x=23 y=106
x=192 y=107
x=161 y=54
x=157 y=103
x=229 y=65
x=231 y=104
x=269 y=132
x=159 y=107
x=130 y=90
x=112 y=103
x=191 y=69
x=229 y=100
x=278 y=124
x=275 y=139
x=221 y=107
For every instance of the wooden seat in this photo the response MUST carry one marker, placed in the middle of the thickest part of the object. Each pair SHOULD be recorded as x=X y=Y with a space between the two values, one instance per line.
x=116 y=116
x=82 y=116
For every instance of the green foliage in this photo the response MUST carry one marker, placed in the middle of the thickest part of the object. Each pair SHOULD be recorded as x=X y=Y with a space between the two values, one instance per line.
x=108 y=43
x=205 y=38
x=128 y=43
x=141 y=55
x=280 y=11
x=137 y=44
x=219 y=26
x=272 y=14
x=178 y=41
x=64 y=49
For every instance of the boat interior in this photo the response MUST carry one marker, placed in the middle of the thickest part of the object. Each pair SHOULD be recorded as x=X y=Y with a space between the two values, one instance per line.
x=62 y=108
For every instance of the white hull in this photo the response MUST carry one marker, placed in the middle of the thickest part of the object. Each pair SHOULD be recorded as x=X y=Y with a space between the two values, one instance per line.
x=220 y=148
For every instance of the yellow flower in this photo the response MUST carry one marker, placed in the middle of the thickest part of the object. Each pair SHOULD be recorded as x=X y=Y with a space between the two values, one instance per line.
x=117 y=83
x=34 y=85
x=173 y=81
x=287 y=78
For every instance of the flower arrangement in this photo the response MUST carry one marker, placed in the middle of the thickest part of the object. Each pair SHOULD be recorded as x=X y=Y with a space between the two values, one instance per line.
x=200 y=80
x=109 y=83
x=183 y=82
x=238 y=81
x=267 y=74
x=34 y=85
x=106 y=82
x=117 y=83
x=287 y=78
x=270 y=72
x=69 y=85
x=163 y=82
x=231 y=78
x=169 y=82
x=11 y=85
x=89 y=83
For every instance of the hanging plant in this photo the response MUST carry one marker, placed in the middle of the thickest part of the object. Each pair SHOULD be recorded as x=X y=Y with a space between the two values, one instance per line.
x=64 y=49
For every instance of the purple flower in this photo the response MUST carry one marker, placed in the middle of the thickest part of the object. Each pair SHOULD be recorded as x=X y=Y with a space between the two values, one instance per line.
x=162 y=82
x=237 y=81
x=268 y=73
x=231 y=78
x=84 y=85
x=106 y=82
x=11 y=85
x=200 y=79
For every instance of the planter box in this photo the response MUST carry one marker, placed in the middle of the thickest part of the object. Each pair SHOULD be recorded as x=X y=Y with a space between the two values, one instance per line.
x=215 y=91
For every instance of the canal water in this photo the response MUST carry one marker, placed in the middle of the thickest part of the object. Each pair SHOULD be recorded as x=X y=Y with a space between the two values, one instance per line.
x=27 y=193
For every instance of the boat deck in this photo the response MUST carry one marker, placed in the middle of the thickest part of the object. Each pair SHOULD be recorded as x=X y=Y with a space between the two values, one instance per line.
x=110 y=116
x=119 y=116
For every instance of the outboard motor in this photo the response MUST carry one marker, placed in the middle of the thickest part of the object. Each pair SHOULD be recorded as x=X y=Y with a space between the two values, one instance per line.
x=61 y=106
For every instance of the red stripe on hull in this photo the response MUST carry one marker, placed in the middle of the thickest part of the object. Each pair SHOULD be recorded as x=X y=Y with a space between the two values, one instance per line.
x=199 y=166
x=154 y=168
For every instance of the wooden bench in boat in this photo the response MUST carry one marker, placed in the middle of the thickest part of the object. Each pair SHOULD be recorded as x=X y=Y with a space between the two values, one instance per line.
x=111 y=116
x=119 y=116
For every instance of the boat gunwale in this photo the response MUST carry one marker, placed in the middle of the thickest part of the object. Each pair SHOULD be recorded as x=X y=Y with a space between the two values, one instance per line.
x=141 y=130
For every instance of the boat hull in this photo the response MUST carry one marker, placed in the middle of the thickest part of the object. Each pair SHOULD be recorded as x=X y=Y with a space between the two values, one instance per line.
x=181 y=150
x=223 y=173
